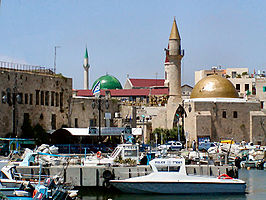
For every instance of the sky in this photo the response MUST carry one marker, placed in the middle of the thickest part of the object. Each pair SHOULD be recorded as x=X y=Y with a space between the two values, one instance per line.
x=127 y=38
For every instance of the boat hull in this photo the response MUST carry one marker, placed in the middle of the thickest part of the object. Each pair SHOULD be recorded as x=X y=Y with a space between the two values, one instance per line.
x=179 y=187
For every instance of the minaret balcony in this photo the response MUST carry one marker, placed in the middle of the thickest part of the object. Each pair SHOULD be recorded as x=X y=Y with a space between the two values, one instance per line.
x=181 y=52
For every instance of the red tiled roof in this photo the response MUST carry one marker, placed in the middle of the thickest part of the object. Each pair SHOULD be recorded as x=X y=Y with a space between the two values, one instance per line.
x=126 y=92
x=146 y=82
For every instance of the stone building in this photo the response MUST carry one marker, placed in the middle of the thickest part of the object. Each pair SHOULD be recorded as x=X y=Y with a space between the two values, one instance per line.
x=240 y=77
x=261 y=90
x=34 y=93
x=85 y=112
x=215 y=112
x=156 y=103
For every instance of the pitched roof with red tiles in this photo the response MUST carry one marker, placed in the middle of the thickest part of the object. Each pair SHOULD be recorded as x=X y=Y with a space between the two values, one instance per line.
x=126 y=92
x=144 y=83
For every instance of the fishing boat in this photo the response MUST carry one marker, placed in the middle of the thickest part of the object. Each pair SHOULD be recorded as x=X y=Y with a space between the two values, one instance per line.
x=125 y=151
x=169 y=177
x=13 y=186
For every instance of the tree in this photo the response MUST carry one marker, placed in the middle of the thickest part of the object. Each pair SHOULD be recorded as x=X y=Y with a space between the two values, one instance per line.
x=167 y=134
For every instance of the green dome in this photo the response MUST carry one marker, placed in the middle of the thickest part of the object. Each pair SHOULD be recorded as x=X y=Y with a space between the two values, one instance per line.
x=108 y=82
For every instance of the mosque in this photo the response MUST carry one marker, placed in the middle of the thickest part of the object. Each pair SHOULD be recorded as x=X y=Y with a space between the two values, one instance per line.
x=211 y=111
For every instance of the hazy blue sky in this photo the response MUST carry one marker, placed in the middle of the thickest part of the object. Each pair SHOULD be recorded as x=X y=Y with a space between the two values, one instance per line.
x=128 y=36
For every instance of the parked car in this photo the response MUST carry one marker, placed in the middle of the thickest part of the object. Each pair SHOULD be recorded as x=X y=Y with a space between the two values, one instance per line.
x=171 y=145
x=204 y=146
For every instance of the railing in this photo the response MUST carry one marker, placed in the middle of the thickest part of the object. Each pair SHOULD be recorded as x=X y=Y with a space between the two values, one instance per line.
x=25 y=67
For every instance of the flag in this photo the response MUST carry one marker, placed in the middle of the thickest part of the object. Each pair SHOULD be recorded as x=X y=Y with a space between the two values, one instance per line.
x=97 y=88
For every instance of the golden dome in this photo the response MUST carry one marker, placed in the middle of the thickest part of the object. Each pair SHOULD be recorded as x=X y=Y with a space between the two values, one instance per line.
x=214 y=86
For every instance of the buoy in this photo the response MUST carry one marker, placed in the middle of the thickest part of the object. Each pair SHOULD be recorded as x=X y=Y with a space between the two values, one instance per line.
x=99 y=154
x=248 y=168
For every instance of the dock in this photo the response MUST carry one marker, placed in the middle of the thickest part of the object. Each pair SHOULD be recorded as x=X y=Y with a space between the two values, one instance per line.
x=91 y=176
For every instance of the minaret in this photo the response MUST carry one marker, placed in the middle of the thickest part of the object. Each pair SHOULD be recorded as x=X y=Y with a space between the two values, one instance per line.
x=174 y=55
x=86 y=66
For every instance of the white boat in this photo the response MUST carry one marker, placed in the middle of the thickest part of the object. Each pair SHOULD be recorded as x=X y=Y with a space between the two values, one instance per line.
x=169 y=177
x=125 y=151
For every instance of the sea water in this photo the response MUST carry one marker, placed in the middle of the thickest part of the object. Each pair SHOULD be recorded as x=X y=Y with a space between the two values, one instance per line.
x=256 y=190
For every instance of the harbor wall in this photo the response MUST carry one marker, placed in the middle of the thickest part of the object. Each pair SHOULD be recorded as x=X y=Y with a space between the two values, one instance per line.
x=99 y=175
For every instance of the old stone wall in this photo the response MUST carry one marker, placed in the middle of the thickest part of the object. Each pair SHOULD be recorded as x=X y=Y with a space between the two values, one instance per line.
x=225 y=120
x=258 y=127
x=260 y=92
x=85 y=112
x=42 y=98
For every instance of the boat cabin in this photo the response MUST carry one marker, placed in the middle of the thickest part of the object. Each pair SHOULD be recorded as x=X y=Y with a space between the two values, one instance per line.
x=168 y=165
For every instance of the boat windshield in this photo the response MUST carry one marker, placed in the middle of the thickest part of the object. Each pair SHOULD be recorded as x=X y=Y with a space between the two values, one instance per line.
x=168 y=168
x=115 y=152
x=130 y=153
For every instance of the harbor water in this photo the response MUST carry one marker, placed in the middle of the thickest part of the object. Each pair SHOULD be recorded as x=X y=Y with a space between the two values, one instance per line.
x=256 y=190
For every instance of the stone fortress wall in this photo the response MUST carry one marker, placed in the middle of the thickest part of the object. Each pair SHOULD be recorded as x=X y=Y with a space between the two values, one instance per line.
x=43 y=98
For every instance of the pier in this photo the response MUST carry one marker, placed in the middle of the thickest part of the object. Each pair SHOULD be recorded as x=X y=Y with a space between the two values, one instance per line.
x=80 y=176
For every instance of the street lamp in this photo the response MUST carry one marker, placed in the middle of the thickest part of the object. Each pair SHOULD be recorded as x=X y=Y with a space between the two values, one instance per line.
x=12 y=100
x=98 y=102
x=178 y=134
x=143 y=118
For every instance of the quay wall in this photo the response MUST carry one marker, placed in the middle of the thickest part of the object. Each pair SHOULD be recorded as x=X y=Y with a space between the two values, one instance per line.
x=94 y=175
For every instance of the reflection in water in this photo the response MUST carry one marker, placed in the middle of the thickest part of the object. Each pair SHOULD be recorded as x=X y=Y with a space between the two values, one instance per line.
x=255 y=179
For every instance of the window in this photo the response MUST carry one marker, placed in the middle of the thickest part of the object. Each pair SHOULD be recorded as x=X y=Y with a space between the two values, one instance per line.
x=168 y=168
x=42 y=97
x=19 y=98
x=76 y=123
x=174 y=168
x=235 y=114
x=162 y=169
x=246 y=87
x=130 y=153
x=52 y=98
x=61 y=99
x=261 y=104
x=37 y=97
x=53 y=121
x=31 y=97
x=224 y=114
x=47 y=98
x=238 y=87
x=26 y=99
x=233 y=74
x=56 y=99
x=264 y=88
